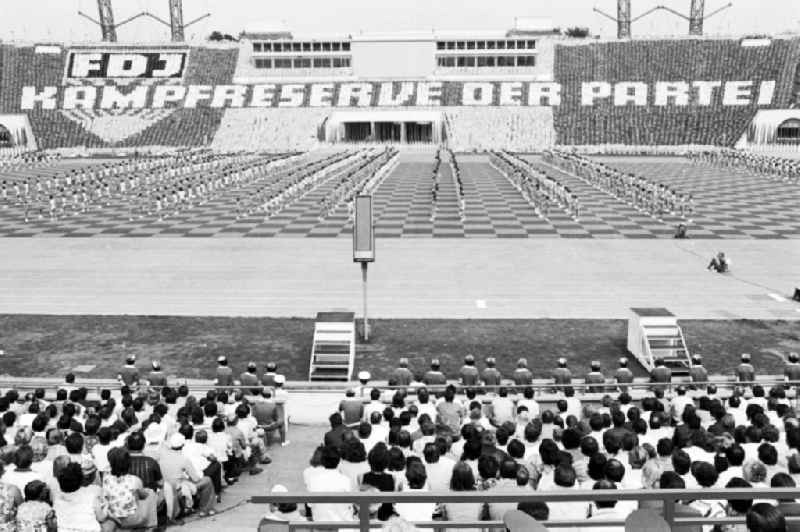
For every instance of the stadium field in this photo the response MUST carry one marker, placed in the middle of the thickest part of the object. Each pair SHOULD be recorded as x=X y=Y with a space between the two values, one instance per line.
x=729 y=205
x=188 y=346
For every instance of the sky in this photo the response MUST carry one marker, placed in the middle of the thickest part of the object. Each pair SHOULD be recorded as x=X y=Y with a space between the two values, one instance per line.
x=57 y=20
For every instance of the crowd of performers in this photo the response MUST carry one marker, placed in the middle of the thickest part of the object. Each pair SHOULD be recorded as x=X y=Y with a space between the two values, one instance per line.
x=655 y=199
x=768 y=165
x=362 y=177
x=446 y=154
x=161 y=187
x=540 y=190
x=166 y=186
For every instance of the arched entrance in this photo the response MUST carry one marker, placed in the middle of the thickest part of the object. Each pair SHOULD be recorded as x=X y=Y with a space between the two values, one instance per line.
x=788 y=132
x=6 y=138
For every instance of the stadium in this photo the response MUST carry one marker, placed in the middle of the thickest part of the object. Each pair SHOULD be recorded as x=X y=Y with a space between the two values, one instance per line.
x=515 y=279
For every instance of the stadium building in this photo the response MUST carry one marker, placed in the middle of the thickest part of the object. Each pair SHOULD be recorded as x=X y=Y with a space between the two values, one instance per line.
x=517 y=90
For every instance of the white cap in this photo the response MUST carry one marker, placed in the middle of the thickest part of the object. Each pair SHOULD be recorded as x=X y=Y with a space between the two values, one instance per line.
x=177 y=441
x=280 y=379
x=279 y=488
x=364 y=376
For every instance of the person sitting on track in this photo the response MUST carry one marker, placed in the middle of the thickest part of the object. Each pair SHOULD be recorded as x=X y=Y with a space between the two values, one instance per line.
x=720 y=263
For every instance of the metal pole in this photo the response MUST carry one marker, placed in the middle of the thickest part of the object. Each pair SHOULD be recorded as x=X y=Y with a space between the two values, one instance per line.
x=364 y=294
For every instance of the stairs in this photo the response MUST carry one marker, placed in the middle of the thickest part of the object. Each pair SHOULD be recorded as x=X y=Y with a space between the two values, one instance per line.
x=654 y=333
x=334 y=346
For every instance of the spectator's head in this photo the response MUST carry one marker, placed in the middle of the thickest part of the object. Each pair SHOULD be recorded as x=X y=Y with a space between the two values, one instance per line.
x=120 y=461
x=23 y=457
x=354 y=451
x=330 y=457
x=740 y=506
x=614 y=470
x=651 y=474
x=764 y=517
x=488 y=467
x=516 y=449
x=767 y=454
x=670 y=480
x=705 y=474
x=70 y=477
x=754 y=472
x=135 y=441
x=604 y=485
x=589 y=446
x=735 y=455
x=431 y=453
x=74 y=443
x=416 y=475
x=462 y=478
x=564 y=476
x=596 y=467
x=538 y=510
x=681 y=462
x=36 y=490
x=335 y=420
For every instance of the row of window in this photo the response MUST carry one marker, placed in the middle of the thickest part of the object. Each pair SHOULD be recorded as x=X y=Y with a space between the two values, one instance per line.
x=486 y=45
x=301 y=46
x=487 y=61
x=303 y=62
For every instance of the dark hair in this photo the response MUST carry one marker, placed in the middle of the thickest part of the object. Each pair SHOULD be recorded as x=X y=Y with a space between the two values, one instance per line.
x=35 y=490
x=74 y=443
x=538 y=510
x=120 y=461
x=104 y=435
x=671 y=480
x=604 y=485
x=135 y=441
x=516 y=449
x=354 y=451
x=416 y=475
x=564 y=476
x=378 y=458
x=488 y=467
x=70 y=477
x=508 y=469
x=596 y=467
x=462 y=478
x=763 y=517
x=570 y=439
x=705 y=474
x=735 y=455
x=681 y=462
x=739 y=506
x=768 y=454
x=23 y=457
x=614 y=470
x=330 y=457
x=397 y=460
x=335 y=419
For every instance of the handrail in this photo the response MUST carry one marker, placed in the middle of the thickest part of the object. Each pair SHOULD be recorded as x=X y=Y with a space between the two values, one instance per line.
x=363 y=500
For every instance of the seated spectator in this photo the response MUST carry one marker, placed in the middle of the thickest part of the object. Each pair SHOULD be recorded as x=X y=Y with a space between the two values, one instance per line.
x=129 y=503
x=416 y=482
x=605 y=511
x=764 y=517
x=22 y=473
x=36 y=514
x=196 y=490
x=280 y=513
x=78 y=507
x=463 y=480
x=788 y=507
x=328 y=479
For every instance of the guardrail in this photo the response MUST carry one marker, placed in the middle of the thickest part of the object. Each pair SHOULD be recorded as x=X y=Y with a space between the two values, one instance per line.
x=666 y=498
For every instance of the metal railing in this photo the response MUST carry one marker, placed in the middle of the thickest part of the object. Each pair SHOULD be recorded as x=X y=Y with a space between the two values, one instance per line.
x=666 y=498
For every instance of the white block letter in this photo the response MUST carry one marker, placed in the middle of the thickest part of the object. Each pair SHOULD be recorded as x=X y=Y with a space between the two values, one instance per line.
x=592 y=90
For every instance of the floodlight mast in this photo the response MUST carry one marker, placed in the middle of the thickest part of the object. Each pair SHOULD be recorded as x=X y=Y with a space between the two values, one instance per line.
x=109 y=28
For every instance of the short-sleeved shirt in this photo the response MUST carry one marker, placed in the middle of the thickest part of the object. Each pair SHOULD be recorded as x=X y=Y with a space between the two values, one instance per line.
x=119 y=495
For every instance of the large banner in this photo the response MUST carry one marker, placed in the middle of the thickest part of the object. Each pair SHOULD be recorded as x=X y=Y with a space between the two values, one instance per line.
x=112 y=95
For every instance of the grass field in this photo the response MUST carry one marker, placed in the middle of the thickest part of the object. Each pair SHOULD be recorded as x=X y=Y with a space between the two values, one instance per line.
x=188 y=347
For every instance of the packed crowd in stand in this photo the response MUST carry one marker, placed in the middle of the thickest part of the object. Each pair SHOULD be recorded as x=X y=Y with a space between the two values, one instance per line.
x=499 y=440
x=766 y=165
x=492 y=128
x=656 y=199
x=138 y=457
x=539 y=189
x=653 y=61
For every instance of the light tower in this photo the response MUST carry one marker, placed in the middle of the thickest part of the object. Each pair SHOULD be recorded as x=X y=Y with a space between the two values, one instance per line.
x=696 y=17
x=176 y=20
x=624 y=19
x=107 y=27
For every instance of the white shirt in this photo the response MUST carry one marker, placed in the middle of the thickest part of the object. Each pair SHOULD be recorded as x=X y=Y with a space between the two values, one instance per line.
x=100 y=457
x=439 y=473
x=502 y=409
x=330 y=480
x=606 y=514
x=533 y=407
x=197 y=454
x=416 y=512
x=20 y=479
